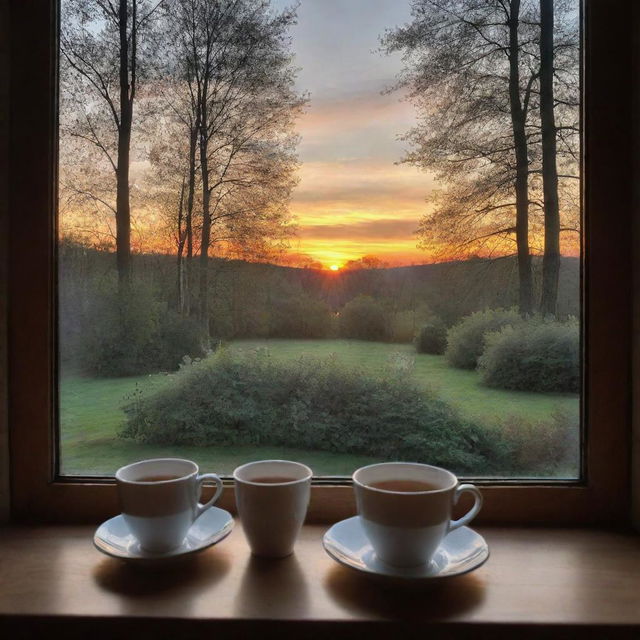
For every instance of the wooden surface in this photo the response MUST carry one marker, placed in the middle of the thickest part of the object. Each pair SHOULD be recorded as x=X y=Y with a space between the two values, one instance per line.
x=526 y=505
x=560 y=579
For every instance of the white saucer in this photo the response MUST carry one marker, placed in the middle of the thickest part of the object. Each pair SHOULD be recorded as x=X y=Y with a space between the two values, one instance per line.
x=461 y=551
x=114 y=538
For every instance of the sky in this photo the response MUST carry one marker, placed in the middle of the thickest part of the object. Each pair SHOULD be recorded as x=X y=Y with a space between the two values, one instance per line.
x=353 y=199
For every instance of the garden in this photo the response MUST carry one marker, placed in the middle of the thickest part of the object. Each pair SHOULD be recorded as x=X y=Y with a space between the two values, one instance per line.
x=496 y=396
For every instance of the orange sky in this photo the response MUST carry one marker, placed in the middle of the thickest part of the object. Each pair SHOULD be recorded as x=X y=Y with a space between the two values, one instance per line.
x=353 y=199
x=356 y=207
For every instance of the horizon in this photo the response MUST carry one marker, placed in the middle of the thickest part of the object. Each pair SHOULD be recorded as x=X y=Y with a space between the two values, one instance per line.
x=346 y=268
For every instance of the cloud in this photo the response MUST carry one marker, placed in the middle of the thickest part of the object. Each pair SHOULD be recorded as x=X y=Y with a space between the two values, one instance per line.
x=387 y=229
x=351 y=208
x=360 y=124
x=362 y=182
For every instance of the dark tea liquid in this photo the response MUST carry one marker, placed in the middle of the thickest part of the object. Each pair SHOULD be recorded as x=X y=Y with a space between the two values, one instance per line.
x=158 y=478
x=404 y=486
x=273 y=479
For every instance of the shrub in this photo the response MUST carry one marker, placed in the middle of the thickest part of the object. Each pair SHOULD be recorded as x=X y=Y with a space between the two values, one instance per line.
x=543 y=448
x=130 y=334
x=466 y=340
x=537 y=355
x=432 y=338
x=248 y=398
x=364 y=318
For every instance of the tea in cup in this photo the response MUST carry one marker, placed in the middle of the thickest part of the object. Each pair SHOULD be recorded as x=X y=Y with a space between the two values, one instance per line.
x=159 y=500
x=405 y=509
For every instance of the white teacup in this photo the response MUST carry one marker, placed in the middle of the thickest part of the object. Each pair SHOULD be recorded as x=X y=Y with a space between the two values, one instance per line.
x=405 y=509
x=159 y=500
x=272 y=498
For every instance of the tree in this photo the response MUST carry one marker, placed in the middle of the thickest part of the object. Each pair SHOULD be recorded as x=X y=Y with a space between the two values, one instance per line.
x=100 y=46
x=472 y=69
x=178 y=164
x=559 y=101
x=167 y=193
x=234 y=60
x=366 y=262
x=518 y=103
x=468 y=70
x=551 y=260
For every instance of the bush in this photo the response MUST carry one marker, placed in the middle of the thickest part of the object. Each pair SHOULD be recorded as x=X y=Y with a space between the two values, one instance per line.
x=466 y=340
x=543 y=448
x=248 y=398
x=537 y=355
x=364 y=318
x=432 y=338
x=131 y=334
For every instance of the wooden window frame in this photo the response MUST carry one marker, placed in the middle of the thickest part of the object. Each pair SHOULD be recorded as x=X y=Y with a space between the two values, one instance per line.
x=603 y=496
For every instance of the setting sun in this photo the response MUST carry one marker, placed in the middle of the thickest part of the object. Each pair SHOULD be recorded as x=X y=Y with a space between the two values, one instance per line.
x=334 y=267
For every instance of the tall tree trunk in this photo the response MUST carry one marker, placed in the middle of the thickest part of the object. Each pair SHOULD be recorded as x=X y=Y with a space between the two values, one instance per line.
x=551 y=259
x=180 y=253
x=193 y=143
x=206 y=228
x=518 y=121
x=123 y=212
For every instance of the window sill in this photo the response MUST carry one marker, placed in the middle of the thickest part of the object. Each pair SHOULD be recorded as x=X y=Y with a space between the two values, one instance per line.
x=556 y=579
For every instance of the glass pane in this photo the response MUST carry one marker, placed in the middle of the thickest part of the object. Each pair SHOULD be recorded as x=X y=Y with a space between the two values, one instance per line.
x=341 y=232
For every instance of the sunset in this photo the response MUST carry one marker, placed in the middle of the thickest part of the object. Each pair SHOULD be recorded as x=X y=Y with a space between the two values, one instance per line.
x=353 y=198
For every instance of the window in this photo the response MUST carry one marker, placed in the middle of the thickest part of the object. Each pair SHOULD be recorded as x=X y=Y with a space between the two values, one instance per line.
x=32 y=399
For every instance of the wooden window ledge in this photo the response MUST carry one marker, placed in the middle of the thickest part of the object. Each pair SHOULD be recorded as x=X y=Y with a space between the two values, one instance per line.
x=537 y=583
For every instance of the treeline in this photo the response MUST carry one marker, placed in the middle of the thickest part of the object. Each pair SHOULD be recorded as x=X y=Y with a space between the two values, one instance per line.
x=253 y=300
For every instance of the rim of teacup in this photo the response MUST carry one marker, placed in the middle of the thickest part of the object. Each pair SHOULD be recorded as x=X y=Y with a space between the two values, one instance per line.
x=308 y=475
x=122 y=470
x=453 y=477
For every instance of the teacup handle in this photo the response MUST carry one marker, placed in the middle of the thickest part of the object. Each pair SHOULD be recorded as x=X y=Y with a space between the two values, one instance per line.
x=473 y=512
x=201 y=508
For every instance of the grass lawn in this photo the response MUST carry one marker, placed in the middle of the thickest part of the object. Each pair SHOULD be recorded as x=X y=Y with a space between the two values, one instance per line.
x=458 y=387
x=91 y=410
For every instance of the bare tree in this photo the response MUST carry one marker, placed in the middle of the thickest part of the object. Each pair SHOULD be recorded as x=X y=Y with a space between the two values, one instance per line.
x=235 y=61
x=169 y=193
x=518 y=103
x=559 y=103
x=469 y=71
x=100 y=45
x=472 y=68
x=551 y=260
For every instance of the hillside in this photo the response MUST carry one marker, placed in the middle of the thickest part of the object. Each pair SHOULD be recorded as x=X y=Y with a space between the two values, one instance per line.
x=250 y=299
